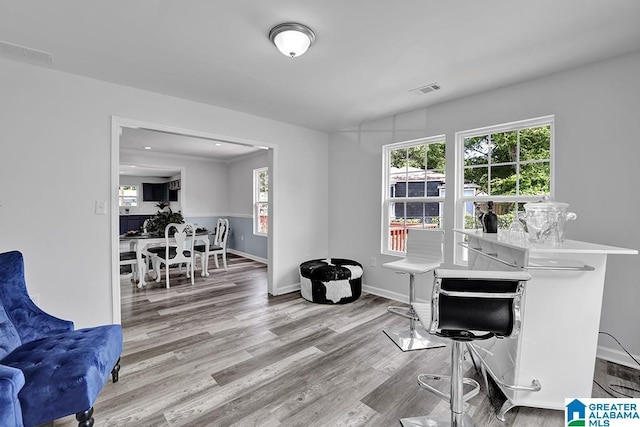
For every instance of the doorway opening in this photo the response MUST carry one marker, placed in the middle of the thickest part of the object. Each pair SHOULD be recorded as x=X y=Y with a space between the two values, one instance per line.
x=200 y=161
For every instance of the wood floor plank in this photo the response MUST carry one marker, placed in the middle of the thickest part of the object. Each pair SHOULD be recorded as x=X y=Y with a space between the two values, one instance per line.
x=184 y=413
x=224 y=353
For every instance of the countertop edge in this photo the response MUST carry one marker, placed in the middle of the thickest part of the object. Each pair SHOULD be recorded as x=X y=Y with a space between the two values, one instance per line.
x=568 y=246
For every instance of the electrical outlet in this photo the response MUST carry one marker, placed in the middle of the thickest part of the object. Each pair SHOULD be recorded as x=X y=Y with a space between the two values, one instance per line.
x=374 y=261
x=242 y=237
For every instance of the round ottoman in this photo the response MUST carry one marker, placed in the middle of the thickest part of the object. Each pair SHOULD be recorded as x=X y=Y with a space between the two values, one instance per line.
x=331 y=281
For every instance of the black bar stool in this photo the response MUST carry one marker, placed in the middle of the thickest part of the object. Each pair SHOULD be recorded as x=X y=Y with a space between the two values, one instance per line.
x=467 y=305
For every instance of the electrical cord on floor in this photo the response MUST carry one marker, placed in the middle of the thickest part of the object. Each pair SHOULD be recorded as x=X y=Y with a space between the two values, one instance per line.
x=493 y=399
x=612 y=387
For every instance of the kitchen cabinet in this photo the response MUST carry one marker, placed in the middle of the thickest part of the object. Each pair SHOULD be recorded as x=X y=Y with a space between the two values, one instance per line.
x=132 y=222
x=174 y=185
x=554 y=355
x=159 y=192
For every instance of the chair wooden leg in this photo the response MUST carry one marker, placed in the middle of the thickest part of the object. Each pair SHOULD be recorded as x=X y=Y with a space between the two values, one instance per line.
x=115 y=372
x=85 y=418
x=157 y=268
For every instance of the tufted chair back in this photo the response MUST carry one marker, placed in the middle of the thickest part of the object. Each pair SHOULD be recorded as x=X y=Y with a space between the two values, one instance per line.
x=48 y=370
x=21 y=320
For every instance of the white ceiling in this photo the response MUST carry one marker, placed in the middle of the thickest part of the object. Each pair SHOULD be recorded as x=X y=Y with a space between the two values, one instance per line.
x=367 y=57
x=151 y=141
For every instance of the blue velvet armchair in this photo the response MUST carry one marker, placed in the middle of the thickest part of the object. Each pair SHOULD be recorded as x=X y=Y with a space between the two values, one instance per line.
x=48 y=370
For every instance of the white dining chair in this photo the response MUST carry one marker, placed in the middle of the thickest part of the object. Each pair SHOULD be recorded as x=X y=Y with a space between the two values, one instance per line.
x=219 y=246
x=129 y=258
x=178 y=250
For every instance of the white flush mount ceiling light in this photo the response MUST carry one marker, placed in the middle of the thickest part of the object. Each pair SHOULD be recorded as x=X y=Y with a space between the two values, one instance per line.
x=292 y=39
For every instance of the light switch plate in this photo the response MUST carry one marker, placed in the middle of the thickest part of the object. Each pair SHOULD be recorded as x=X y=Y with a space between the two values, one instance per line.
x=101 y=207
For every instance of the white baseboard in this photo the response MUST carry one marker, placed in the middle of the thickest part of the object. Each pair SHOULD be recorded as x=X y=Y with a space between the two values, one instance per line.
x=617 y=356
x=244 y=255
x=385 y=294
x=288 y=289
x=395 y=296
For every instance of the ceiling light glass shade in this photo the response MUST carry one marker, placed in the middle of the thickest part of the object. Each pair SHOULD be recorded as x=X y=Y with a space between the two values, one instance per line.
x=292 y=39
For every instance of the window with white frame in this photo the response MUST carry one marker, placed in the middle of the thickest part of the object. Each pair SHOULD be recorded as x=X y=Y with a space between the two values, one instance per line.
x=128 y=195
x=261 y=201
x=413 y=189
x=509 y=164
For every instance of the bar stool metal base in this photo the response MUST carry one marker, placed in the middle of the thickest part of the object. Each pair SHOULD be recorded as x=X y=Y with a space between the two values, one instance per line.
x=457 y=417
x=412 y=339
x=423 y=378
x=436 y=421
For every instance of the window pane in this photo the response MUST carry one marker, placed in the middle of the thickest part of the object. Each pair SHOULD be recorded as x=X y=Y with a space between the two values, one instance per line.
x=535 y=143
x=128 y=191
x=477 y=178
x=416 y=172
x=503 y=180
x=535 y=178
x=397 y=232
x=128 y=195
x=415 y=213
x=129 y=201
x=398 y=186
x=424 y=215
x=436 y=156
x=263 y=215
x=398 y=173
x=417 y=188
x=398 y=158
x=397 y=212
x=416 y=157
x=476 y=150
x=260 y=200
x=263 y=186
x=504 y=210
x=470 y=217
x=504 y=147
x=508 y=162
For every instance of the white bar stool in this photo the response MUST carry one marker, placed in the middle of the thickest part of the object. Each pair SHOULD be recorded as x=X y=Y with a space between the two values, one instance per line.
x=424 y=253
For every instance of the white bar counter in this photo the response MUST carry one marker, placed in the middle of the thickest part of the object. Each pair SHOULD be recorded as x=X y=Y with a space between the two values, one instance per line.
x=556 y=348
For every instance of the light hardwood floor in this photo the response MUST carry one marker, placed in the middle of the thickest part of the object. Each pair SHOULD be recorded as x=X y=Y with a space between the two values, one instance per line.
x=224 y=353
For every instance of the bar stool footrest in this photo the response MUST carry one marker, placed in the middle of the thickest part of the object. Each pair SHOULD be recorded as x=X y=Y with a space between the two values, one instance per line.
x=406 y=312
x=423 y=378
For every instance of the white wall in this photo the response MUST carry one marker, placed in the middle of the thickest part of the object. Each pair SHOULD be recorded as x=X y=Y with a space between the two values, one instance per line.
x=204 y=185
x=242 y=240
x=240 y=173
x=55 y=135
x=597 y=111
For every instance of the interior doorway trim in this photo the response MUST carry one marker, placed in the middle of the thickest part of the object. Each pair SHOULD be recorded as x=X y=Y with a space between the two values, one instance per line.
x=117 y=124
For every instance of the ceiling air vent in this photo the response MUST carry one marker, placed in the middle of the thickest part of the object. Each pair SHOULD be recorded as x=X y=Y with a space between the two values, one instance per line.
x=426 y=89
x=21 y=53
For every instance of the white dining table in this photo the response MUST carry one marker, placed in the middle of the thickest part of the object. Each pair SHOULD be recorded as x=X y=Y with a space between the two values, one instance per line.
x=140 y=241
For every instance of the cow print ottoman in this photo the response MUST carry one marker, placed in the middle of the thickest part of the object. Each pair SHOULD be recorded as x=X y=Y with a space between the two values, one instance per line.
x=331 y=281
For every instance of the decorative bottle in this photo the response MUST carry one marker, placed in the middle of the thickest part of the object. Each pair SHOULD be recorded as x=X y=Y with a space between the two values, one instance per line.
x=490 y=220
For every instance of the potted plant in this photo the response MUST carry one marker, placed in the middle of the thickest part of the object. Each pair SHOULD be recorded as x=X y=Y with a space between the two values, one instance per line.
x=162 y=218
